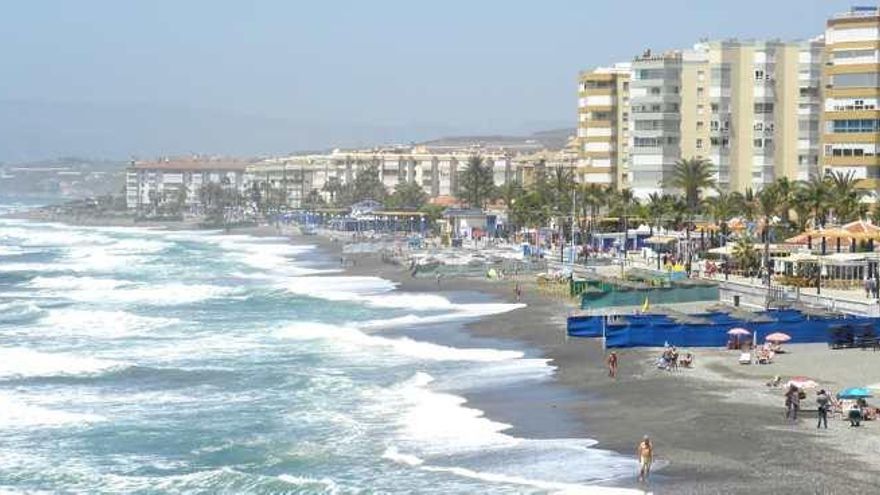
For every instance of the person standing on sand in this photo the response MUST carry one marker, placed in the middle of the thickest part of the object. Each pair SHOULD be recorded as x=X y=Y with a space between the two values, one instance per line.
x=645 y=454
x=438 y=279
x=612 y=364
x=518 y=291
x=792 y=403
x=822 y=402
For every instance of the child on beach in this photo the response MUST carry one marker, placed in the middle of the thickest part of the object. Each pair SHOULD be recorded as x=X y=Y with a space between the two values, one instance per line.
x=645 y=454
x=612 y=365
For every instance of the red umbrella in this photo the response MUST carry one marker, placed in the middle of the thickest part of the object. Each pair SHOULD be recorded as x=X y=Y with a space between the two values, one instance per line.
x=802 y=382
x=777 y=337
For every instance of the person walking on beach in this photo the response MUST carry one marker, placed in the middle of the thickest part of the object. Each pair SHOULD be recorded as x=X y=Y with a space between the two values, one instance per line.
x=518 y=291
x=612 y=364
x=438 y=279
x=792 y=402
x=645 y=454
x=822 y=402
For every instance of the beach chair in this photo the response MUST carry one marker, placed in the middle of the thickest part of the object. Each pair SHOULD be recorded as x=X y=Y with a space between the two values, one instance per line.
x=745 y=358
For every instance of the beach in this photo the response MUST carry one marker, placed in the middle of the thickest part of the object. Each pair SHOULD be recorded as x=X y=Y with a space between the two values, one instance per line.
x=717 y=428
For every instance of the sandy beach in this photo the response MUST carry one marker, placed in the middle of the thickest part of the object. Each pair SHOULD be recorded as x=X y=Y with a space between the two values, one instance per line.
x=717 y=428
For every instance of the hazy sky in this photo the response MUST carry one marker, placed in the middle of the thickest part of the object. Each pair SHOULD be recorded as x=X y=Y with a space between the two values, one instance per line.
x=197 y=69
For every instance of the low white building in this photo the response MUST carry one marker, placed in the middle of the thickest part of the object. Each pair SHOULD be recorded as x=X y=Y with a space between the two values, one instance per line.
x=170 y=179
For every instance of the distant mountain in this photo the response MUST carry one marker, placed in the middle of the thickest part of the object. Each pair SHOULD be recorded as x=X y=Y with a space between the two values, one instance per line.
x=554 y=139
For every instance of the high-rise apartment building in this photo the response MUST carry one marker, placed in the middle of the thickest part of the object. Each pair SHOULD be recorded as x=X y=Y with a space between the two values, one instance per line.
x=751 y=108
x=603 y=118
x=851 y=118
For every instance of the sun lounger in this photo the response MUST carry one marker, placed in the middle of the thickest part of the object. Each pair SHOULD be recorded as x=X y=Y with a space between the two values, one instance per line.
x=745 y=358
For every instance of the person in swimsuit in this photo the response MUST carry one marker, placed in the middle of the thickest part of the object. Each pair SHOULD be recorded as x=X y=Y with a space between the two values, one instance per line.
x=612 y=365
x=645 y=454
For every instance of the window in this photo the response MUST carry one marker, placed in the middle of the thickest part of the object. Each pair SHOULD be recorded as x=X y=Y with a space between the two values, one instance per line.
x=759 y=74
x=714 y=141
x=854 y=126
x=700 y=125
x=654 y=91
x=701 y=75
x=700 y=109
x=699 y=144
x=758 y=143
x=857 y=80
x=763 y=108
x=700 y=91
x=759 y=126
x=714 y=107
x=713 y=125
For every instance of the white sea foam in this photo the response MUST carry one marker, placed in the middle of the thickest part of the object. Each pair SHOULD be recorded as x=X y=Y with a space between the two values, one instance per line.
x=15 y=413
x=16 y=362
x=18 y=310
x=354 y=339
x=102 y=290
x=101 y=324
x=326 y=484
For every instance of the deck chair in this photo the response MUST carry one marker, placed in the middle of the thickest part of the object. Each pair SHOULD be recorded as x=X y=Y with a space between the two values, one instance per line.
x=745 y=358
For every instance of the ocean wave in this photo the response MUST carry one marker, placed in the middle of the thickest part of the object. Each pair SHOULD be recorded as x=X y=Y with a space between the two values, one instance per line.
x=19 y=311
x=16 y=362
x=356 y=339
x=103 y=290
x=101 y=324
x=324 y=485
x=14 y=413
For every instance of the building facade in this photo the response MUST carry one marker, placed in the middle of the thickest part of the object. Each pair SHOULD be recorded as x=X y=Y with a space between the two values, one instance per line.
x=179 y=179
x=752 y=108
x=603 y=125
x=851 y=118
x=436 y=173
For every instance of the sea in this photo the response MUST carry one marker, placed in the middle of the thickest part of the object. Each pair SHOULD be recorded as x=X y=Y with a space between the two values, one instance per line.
x=136 y=360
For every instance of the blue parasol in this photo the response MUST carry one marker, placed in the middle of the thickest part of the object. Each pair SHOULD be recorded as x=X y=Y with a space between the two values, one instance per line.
x=854 y=393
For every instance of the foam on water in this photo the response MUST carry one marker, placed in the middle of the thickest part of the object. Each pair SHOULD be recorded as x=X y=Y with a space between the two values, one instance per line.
x=101 y=324
x=103 y=290
x=15 y=413
x=17 y=362
x=353 y=339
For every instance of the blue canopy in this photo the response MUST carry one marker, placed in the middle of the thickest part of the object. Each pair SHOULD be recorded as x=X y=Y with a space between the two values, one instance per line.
x=854 y=393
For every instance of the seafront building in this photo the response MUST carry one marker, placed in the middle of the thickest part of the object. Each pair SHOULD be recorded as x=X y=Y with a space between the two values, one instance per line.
x=436 y=172
x=603 y=126
x=851 y=118
x=750 y=107
x=179 y=179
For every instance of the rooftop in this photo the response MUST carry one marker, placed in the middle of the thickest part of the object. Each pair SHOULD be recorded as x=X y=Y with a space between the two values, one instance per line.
x=196 y=163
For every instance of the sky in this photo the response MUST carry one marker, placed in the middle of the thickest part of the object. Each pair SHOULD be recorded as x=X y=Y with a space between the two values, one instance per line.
x=109 y=78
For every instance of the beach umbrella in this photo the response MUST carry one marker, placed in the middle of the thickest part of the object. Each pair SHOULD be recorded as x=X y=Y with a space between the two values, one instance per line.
x=855 y=393
x=738 y=331
x=777 y=337
x=802 y=382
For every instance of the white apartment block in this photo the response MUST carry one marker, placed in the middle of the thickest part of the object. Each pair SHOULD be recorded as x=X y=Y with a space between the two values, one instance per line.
x=163 y=180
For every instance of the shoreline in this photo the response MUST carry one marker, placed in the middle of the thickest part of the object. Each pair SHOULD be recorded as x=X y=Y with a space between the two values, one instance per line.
x=709 y=439
x=713 y=430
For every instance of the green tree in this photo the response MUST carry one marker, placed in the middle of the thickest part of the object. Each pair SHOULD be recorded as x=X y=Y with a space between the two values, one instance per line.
x=692 y=176
x=817 y=194
x=845 y=196
x=769 y=203
x=745 y=255
x=333 y=187
x=368 y=185
x=407 y=195
x=476 y=183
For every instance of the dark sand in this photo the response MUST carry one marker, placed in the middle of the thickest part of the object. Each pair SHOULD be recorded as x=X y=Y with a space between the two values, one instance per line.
x=707 y=445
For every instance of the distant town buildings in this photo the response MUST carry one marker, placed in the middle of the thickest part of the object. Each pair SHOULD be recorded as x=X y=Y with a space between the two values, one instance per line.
x=752 y=108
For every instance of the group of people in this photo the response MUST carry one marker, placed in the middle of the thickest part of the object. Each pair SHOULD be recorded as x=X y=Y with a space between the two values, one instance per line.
x=856 y=411
x=670 y=360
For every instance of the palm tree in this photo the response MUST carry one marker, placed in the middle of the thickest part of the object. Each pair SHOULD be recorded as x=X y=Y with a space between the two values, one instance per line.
x=816 y=193
x=785 y=190
x=655 y=209
x=769 y=203
x=745 y=255
x=844 y=196
x=692 y=176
